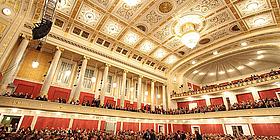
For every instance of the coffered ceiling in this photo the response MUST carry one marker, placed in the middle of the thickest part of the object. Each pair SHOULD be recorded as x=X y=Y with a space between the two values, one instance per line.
x=145 y=32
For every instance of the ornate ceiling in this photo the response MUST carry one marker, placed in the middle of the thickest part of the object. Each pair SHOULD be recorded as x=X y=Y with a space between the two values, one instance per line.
x=236 y=64
x=145 y=32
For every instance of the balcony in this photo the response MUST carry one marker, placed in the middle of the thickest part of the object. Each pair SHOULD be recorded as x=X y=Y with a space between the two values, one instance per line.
x=10 y=102
x=259 y=82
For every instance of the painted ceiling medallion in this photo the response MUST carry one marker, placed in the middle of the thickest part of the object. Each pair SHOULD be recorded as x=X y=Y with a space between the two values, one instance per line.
x=89 y=15
x=165 y=7
x=112 y=28
x=159 y=53
x=65 y=6
x=132 y=2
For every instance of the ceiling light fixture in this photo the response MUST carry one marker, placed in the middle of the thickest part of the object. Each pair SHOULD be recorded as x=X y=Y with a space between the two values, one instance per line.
x=215 y=52
x=93 y=79
x=230 y=70
x=147 y=47
x=114 y=85
x=158 y=96
x=35 y=64
x=244 y=44
x=193 y=62
x=132 y=2
x=212 y=74
x=240 y=67
x=222 y=72
x=68 y=72
x=251 y=63
x=187 y=28
x=201 y=73
x=260 y=52
x=160 y=53
x=260 y=56
x=171 y=59
x=7 y=11
x=146 y=93
x=196 y=71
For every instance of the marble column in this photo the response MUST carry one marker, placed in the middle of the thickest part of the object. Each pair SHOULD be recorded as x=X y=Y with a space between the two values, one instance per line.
x=123 y=88
x=104 y=84
x=164 y=100
x=76 y=94
x=50 y=75
x=152 y=95
x=10 y=74
x=139 y=95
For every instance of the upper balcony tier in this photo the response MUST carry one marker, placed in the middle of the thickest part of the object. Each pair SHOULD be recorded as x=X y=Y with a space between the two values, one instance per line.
x=228 y=87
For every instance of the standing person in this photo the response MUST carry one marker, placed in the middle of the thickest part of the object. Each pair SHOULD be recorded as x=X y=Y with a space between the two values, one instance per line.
x=198 y=136
x=147 y=135
x=153 y=135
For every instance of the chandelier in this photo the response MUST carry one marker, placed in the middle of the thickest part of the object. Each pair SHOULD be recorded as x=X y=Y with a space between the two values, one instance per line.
x=187 y=29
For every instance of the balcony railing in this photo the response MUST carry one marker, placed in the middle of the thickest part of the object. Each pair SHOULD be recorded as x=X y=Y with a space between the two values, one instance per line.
x=258 y=82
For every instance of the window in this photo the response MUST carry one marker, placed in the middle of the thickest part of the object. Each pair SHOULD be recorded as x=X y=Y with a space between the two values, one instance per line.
x=109 y=84
x=64 y=73
x=87 y=79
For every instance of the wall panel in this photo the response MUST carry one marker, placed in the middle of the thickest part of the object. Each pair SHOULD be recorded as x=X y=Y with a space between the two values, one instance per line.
x=26 y=122
x=269 y=129
x=52 y=123
x=85 y=124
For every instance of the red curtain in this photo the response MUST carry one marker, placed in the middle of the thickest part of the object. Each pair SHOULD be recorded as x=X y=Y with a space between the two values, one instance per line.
x=127 y=103
x=86 y=97
x=145 y=126
x=131 y=126
x=118 y=127
x=211 y=128
x=244 y=97
x=183 y=104
x=53 y=123
x=217 y=101
x=169 y=129
x=165 y=128
x=26 y=122
x=56 y=92
x=270 y=129
x=201 y=103
x=85 y=124
x=134 y=104
x=28 y=87
x=109 y=100
x=103 y=125
x=182 y=127
x=271 y=93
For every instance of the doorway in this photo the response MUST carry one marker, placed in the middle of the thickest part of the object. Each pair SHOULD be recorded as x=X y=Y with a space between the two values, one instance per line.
x=195 y=129
x=10 y=122
x=237 y=129
x=161 y=128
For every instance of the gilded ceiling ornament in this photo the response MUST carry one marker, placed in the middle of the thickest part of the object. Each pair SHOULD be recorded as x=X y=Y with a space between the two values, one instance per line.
x=104 y=2
x=220 y=34
x=206 y=5
x=153 y=18
x=218 y=19
x=179 y=2
x=127 y=11
x=174 y=44
x=163 y=33
x=165 y=7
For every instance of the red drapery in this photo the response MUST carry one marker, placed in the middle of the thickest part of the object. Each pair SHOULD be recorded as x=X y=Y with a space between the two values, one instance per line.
x=211 y=128
x=271 y=129
x=102 y=126
x=201 y=103
x=183 y=104
x=86 y=97
x=169 y=128
x=57 y=92
x=28 y=87
x=131 y=126
x=217 y=101
x=118 y=127
x=26 y=122
x=145 y=126
x=244 y=97
x=182 y=127
x=269 y=94
x=85 y=124
x=53 y=123
x=109 y=100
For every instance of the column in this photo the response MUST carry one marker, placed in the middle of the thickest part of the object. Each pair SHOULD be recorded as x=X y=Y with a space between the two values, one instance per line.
x=51 y=72
x=10 y=74
x=99 y=124
x=131 y=90
x=121 y=125
x=208 y=101
x=71 y=123
x=255 y=94
x=164 y=104
x=76 y=94
x=139 y=95
x=152 y=95
x=123 y=88
x=34 y=120
x=104 y=84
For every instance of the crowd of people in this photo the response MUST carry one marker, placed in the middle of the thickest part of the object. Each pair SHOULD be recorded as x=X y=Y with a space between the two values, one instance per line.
x=81 y=134
x=234 y=82
x=261 y=103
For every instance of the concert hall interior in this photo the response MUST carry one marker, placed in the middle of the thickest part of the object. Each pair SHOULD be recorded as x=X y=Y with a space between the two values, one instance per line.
x=140 y=69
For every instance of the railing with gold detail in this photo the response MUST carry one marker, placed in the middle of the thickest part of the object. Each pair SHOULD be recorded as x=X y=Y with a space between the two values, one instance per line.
x=259 y=82
x=10 y=102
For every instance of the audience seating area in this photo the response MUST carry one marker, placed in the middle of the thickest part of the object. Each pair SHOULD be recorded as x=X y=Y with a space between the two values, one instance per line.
x=82 y=134
x=232 y=84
